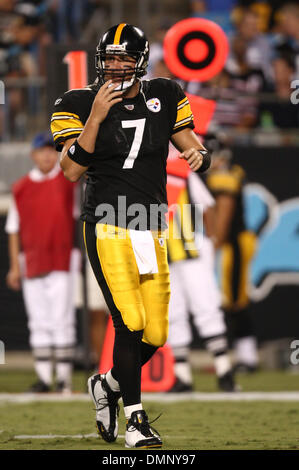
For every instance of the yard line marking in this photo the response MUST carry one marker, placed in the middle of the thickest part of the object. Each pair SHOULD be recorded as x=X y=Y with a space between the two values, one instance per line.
x=226 y=396
x=76 y=436
x=56 y=436
x=60 y=436
x=155 y=397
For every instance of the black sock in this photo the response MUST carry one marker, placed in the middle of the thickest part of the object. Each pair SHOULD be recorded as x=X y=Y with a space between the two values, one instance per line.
x=127 y=364
x=147 y=352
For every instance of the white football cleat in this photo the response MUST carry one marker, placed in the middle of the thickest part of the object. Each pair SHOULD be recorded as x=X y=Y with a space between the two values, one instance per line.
x=107 y=408
x=139 y=433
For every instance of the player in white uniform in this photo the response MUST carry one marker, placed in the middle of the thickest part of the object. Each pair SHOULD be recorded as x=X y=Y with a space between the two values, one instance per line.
x=194 y=289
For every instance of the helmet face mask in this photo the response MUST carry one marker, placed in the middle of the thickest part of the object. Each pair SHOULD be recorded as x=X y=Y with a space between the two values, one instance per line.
x=125 y=76
x=126 y=42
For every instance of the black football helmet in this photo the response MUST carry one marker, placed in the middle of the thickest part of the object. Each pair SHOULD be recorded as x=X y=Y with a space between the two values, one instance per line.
x=123 y=39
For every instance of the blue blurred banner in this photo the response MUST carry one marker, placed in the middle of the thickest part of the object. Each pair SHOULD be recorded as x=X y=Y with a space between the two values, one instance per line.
x=271 y=199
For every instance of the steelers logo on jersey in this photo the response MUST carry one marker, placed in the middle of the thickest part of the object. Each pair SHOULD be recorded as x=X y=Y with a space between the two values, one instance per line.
x=154 y=105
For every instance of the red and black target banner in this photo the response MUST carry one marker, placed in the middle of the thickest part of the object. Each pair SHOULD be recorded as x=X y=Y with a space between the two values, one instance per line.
x=195 y=49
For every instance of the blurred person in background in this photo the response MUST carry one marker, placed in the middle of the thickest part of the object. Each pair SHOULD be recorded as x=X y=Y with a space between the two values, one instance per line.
x=192 y=278
x=236 y=247
x=258 y=53
x=263 y=9
x=70 y=18
x=243 y=77
x=214 y=10
x=288 y=20
x=281 y=112
x=21 y=31
x=235 y=106
x=160 y=69
x=156 y=59
x=40 y=224
x=245 y=82
x=96 y=21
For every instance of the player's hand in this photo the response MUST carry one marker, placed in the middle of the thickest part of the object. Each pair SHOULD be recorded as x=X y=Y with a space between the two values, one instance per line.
x=106 y=97
x=193 y=157
x=13 y=279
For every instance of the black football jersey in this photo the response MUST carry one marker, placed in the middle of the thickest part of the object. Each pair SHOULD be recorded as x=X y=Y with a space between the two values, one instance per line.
x=229 y=181
x=129 y=165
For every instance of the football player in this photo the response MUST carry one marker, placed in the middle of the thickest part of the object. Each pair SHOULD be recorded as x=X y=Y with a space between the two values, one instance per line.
x=192 y=278
x=236 y=246
x=117 y=132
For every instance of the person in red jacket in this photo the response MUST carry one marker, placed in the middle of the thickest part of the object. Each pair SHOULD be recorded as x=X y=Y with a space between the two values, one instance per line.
x=40 y=226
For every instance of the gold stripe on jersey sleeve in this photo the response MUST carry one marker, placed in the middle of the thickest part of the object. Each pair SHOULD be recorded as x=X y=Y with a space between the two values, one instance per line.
x=183 y=112
x=64 y=127
x=224 y=182
x=118 y=32
x=75 y=133
x=182 y=101
x=63 y=113
x=183 y=122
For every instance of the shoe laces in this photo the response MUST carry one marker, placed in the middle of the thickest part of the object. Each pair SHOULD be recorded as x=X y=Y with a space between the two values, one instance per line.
x=105 y=401
x=144 y=427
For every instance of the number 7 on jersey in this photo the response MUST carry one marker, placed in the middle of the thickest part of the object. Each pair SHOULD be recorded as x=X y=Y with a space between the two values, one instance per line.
x=139 y=125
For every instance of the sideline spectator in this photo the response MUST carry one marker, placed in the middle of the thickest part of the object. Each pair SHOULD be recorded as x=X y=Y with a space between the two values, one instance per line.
x=156 y=47
x=40 y=224
x=281 y=112
x=289 y=27
x=214 y=10
x=258 y=53
x=245 y=81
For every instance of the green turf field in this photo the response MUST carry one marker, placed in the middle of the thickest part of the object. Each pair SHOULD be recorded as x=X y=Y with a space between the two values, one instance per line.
x=183 y=425
x=15 y=381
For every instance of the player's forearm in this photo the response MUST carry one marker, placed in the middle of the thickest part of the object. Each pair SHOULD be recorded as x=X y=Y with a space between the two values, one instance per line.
x=192 y=150
x=186 y=139
x=14 y=250
x=72 y=169
x=87 y=138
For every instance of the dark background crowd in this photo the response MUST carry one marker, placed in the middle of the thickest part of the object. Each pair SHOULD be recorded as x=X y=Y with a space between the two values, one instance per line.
x=252 y=91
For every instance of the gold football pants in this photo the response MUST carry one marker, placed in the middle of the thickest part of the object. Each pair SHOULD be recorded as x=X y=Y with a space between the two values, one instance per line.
x=234 y=276
x=138 y=302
